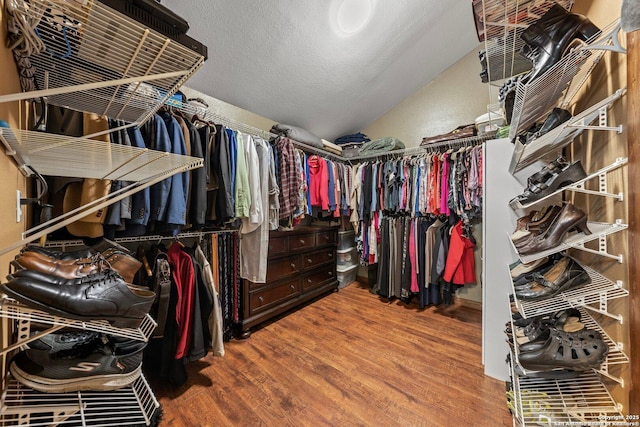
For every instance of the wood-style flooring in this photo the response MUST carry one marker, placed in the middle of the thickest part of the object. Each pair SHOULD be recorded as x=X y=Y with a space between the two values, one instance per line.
x=348 y=359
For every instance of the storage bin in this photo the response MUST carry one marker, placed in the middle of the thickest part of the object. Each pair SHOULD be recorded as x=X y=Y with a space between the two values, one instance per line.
x=347 y=257
x=347 y=275
x=346 y=240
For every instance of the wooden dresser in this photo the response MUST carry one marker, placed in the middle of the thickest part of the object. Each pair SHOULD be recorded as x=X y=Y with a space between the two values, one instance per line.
x=301 y=266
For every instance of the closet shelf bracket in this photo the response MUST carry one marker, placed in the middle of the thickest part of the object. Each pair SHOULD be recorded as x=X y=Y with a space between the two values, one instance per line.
x=59 y=413
x=602 y=247
x=610 y=41
x=602 y=307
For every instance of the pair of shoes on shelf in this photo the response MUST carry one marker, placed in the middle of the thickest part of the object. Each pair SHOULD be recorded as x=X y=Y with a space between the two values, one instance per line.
x=555 y=180
x=78 y=361
x=532 y=330
x=561 y=276
x=557 y=349
x=538 y=224
x=548 y=39
x=101 y=296
x=570 y=217
x=69 y=265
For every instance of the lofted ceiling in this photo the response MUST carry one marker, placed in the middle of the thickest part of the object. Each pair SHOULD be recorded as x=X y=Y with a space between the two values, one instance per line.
x=289 y=61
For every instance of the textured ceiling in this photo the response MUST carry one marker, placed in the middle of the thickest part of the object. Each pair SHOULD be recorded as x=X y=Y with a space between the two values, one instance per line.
x=285 y=59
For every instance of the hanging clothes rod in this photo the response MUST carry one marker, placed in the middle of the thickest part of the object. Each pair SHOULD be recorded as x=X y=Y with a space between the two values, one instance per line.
x=146 y=238
x=203 y=113
x=423 y=149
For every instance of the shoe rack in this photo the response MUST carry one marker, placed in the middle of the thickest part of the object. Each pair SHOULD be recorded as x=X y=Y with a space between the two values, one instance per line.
x=19 y=405
x=534 y=400
x=85 y=56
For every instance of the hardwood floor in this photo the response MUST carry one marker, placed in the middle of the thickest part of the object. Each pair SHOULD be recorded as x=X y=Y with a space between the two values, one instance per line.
x=348 y=359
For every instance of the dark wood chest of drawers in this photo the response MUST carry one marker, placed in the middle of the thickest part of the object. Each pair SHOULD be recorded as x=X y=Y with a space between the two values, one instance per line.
x=301 y=266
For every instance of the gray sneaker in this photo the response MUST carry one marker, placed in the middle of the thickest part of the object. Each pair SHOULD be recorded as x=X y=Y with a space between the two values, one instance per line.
x=61 y=363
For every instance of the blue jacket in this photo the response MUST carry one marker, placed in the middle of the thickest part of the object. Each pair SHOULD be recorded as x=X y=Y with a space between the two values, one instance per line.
x=177 y=204
x=140 y=201
x=159 y=193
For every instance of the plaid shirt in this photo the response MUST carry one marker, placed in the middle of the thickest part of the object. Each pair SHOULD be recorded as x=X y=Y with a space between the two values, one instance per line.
x=289 y=177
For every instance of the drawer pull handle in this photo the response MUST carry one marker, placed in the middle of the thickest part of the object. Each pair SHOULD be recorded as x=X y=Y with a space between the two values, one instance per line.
x=309 y=280
x=301 y=241
x=326 y=237
x=330 y=255
x=293 y=266
x=293 y=288
x=309 y=260
x=330 y=273
x=260 y=300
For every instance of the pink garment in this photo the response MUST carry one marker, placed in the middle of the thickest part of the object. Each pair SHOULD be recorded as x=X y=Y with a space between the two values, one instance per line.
x=318 y=182
x=444 y=186
x=412 y=256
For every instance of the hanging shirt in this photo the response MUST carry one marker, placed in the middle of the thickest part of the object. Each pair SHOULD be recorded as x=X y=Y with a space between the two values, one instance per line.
x=318 y=182
x=243 y=188
x=289 y=177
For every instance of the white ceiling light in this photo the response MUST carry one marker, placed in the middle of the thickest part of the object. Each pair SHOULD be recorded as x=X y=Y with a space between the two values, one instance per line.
x=353 y=15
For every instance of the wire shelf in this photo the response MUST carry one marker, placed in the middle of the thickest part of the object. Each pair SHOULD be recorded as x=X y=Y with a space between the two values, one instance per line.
x=599 y=230
x=583 y=400
x=132 y=405
x=615 y=355
x=500 y=25
x=579 y=186
x=60 y=155
x=590 y=294
x=88 y=57
x=558 y=85
x=527 y=154
x=14 y=310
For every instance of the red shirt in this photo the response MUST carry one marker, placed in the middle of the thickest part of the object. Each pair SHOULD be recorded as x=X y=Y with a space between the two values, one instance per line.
x=318 y=182
x=184 y=277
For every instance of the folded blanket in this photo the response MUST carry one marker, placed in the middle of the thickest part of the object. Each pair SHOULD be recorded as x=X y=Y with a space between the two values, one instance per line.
x=388 y=143
x=354 y=137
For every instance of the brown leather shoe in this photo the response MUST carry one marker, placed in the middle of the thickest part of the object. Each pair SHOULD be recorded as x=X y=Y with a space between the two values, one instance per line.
x=65 y=269
x=570 y=217
x=123 y=263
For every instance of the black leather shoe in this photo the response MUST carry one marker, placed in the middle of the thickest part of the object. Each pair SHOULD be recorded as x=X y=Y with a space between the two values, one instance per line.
x=110 y=299
x=556 y=25
x=567 y=176
x=60 y=281
x=553 y=120
x=564 y=275
x=550 y=37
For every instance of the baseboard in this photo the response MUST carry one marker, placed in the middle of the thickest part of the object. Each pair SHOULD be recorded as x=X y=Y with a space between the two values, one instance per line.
x=462 y=302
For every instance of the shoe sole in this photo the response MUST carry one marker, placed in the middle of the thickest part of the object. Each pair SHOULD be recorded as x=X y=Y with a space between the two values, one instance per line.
x=94 y=383
x=115 y=321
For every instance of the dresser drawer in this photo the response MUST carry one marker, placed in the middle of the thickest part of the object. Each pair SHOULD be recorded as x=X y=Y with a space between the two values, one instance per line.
x=329 y=237
x=316 y=279
x=273 y=295
x=278 y=246
x=283 y=267
x=312 y=260
x=302 y=241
